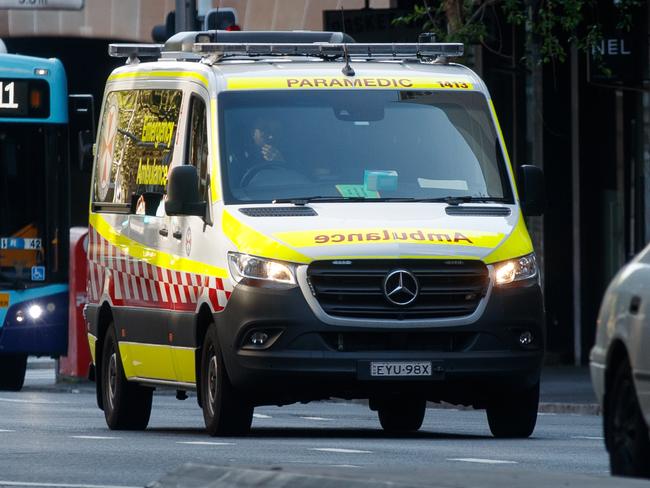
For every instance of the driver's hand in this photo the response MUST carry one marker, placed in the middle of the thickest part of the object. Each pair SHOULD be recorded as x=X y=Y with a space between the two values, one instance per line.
x=270 y=153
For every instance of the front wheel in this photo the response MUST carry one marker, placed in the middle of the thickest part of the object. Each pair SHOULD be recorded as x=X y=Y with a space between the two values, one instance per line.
x=515 y=415
x=625 y=428
x=401 y=415
x=127 y=406
x=12 y=371
x=225 y=410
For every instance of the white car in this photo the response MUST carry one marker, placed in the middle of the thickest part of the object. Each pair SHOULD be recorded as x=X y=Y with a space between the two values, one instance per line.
x=620 y=367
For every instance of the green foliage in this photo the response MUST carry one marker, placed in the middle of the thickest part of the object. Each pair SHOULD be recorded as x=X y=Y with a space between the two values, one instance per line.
x=551 y=24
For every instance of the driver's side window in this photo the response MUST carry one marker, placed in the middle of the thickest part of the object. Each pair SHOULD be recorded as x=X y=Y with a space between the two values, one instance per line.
x=197 y=142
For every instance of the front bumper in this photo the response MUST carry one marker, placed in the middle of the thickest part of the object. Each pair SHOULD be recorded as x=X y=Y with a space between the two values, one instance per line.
x=46 y=335
x=597 y=357
x=308 y=359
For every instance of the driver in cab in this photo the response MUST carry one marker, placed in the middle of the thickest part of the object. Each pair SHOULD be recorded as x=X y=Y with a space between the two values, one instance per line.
x=263 y=162
x=264 y=135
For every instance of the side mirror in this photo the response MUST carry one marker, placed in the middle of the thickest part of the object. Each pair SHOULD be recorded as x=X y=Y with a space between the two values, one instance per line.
x=183 y=192
x=85 y=150
x=532 y=190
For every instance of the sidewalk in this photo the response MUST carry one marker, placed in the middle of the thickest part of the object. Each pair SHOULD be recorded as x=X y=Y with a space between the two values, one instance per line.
x=567 y=389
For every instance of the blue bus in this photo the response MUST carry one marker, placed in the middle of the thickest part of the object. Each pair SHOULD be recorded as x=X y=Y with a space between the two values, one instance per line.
x=35 y=207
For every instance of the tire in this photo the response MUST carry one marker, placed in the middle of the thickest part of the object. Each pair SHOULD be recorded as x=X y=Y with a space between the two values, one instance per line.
x=12 y=371
x=514 y=416
x=225 y=410
x=401 y=415
x=625 y=428
x=127 y=406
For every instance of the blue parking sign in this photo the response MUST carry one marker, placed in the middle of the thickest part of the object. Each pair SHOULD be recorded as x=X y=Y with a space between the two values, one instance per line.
x=38 y=273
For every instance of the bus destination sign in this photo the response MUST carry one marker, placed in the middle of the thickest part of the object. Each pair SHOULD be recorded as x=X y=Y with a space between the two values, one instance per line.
x=23 y=98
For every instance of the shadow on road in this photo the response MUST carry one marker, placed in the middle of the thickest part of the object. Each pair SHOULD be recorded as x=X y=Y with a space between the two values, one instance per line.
x=322 y=433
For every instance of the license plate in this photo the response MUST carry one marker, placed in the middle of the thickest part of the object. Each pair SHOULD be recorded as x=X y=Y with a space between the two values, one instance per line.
x=401 y=368
x=4 y=300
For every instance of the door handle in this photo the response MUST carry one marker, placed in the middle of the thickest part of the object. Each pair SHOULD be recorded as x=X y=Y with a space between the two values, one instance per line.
x=163 y=232
x=178 y=234
x=635 y=305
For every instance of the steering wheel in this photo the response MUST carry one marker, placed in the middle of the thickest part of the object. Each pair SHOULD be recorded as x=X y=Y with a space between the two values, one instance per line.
x=256 y=168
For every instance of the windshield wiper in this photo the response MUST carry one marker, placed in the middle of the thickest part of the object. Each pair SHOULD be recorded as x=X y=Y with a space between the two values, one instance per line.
x=457 y=200
x=449 y=200
x=306 y=200
x=15 y=282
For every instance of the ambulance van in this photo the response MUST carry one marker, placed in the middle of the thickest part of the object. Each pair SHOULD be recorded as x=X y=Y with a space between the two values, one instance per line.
x=290 y=217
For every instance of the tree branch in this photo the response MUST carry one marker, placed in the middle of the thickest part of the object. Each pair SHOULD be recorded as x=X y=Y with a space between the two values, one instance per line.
x=428 y=9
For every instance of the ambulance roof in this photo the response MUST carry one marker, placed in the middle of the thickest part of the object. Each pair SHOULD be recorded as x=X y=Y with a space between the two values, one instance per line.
x=299 y=63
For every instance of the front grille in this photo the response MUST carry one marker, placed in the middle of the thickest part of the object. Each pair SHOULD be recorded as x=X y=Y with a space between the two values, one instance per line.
x=391 y=341
x=355 y=289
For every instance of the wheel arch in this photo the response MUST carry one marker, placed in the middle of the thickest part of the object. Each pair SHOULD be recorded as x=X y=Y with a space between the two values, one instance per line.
x=616 y=356
x=104 y=319
x=203 y=320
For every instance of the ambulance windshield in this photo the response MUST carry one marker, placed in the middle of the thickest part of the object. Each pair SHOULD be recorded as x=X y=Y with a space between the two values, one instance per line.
x=370 y=144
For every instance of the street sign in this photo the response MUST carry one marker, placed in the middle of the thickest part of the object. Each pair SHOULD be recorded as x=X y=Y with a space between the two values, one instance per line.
x=42 y=4
x=618 y=57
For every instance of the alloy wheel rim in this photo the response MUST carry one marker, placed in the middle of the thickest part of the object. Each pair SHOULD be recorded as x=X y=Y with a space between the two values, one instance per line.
x=212 y=382
x=112 y=379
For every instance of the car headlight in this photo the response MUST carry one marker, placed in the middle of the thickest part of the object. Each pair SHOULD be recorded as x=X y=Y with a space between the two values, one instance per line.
x=246 y=266
x=517 y=269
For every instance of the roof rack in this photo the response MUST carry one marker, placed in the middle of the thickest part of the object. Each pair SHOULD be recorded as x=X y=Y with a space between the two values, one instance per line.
x=329 y=50
x=217 y=45
x=135 y=50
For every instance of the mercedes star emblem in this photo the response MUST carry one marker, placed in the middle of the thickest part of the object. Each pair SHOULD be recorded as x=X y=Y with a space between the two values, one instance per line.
x=401 y=287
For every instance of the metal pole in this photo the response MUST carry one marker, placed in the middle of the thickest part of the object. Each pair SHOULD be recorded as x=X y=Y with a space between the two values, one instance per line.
x=185 y=15
x=575 y=207
x=204 y=6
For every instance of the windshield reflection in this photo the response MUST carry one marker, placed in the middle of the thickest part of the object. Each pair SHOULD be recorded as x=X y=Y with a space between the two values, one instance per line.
x=382 y=144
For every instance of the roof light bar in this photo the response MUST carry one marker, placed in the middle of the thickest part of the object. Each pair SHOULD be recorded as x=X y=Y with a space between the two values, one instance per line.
x=317 y=49
x=137 y=50
x=401 y=50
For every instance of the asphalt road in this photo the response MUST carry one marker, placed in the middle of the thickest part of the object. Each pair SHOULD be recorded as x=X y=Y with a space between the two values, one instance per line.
x=56 y=435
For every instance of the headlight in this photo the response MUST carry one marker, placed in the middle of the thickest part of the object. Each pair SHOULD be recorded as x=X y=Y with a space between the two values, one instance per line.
x=517 y=269
x=245 y=266
x=35 y=312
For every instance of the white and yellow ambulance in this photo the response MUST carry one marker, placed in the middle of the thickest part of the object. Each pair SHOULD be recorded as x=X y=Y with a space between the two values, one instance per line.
x=286 y=217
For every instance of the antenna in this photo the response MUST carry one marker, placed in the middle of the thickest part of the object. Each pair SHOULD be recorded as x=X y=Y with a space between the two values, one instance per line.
x=347 y=69
x=216 y=31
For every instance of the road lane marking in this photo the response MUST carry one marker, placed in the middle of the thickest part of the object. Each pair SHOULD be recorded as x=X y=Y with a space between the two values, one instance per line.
x=93 y=437
x=482 y=461
x=588 y=437
x=261 y=416
x=339 y=450
x=41 y=373
x=344 y=466
x=206 y=443
x=59 y=485
x=7 y=430
x=35 y=402
x=316 y=418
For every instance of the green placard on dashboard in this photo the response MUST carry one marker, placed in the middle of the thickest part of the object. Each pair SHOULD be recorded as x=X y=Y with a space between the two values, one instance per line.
x=356 y=191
